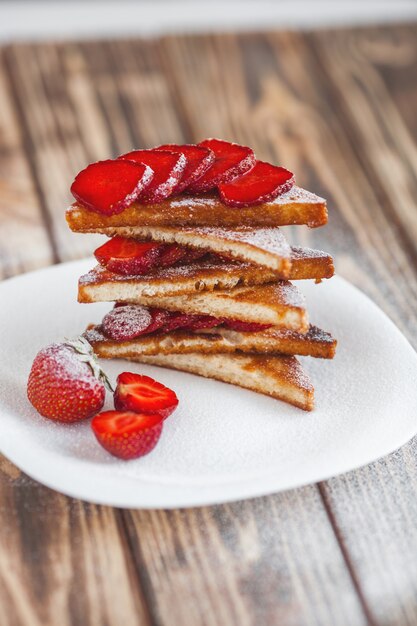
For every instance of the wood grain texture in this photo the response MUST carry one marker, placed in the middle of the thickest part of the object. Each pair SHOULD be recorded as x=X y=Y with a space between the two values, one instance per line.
x=339 y=109
x=24 y=240
x=266 y=561
x=62 y=561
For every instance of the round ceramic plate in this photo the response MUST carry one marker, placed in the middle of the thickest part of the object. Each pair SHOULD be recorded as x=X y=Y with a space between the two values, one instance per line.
x=223 y=443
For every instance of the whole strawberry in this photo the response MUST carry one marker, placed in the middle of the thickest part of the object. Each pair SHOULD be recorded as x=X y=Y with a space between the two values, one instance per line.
x=66 y=383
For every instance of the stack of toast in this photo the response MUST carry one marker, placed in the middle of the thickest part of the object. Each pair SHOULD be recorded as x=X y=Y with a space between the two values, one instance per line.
x=219 y=302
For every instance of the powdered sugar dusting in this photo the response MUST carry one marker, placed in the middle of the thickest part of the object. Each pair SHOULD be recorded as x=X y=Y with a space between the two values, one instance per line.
x=126 y=322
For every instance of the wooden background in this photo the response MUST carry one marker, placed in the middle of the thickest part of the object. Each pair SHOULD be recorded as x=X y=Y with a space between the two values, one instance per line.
x=337 y=107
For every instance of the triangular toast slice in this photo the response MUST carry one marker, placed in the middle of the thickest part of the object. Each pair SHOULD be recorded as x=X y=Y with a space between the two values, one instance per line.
x=201 y=276
x=281 y=377
x=296 y=206
x=279 y=304
x=260 y=246
x=316 y=343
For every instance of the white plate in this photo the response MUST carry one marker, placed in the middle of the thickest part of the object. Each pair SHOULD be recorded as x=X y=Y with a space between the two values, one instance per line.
x=223 y=443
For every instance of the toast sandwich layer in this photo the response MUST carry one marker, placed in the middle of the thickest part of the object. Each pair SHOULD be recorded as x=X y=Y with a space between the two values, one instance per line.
x=280 y=377
x=296 y=206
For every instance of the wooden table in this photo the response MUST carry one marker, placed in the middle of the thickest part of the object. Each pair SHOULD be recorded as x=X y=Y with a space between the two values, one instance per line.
x=337 y=107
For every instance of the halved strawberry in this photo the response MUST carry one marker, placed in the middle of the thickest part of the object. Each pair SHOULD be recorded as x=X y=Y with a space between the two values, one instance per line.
x=126 y=322
x=232 y=160
x=143 y=394
x=262 y=184
x=128 y=256
x=110 y=186
x=127 y=435
x=245 y=327
x=168 y=168
x=199 y=159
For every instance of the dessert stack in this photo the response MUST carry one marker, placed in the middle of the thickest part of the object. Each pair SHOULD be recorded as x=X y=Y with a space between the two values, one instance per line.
x=198 y=267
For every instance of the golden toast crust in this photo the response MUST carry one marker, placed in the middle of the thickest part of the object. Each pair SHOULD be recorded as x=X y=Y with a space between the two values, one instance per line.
x=297 y=206
x=315 y=343
x=280 y=377
x=280 y=303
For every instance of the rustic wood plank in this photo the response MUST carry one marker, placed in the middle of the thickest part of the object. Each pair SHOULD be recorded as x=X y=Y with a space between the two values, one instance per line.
x=24 y=241
x=265 y=561
x=62 y=561
x=364 y=95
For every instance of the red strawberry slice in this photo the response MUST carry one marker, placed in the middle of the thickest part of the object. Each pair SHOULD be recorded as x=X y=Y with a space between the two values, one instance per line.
x=108 y=187
x=199 y=160
x=143 y=394
x=176 y=321
x=245 y=327
x=128 y=256
x=200 y=322
x=127 y=435
x=126 y=322
x=159 y=318
x=193 y=254
x=66 y=383
x=168 y=168
x=262 y=184
x=170 y=255
x=232 y=160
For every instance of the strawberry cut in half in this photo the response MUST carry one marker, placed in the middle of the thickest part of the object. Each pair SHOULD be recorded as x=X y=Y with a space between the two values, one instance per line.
x=168 y=168
x=143 y=394
x=199 y=159
x=127 y=435
x=128 y=256
x=231 y=161
x=262 y=184
x=108 y=187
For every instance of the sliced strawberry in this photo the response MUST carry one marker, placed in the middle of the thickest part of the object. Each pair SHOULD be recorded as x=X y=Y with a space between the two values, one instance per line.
x=245 y=327
x=193 y=254
x=176 y=321
x=127 y=435
x=200 y=322
x=128 y=256
x=170 y=255
x=232 y=160
x=126 y=322
x=168 y=168
x=108 y=187
x=262 y=184
x=199 y=159
x=159 y=318
x=143 y=394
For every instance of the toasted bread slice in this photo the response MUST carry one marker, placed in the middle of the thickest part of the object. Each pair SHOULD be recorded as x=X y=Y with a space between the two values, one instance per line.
x=297 y=206
x=203 y=276
x=260 y=246
x=281 y=377
x=316 y=343
x=280 y=304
